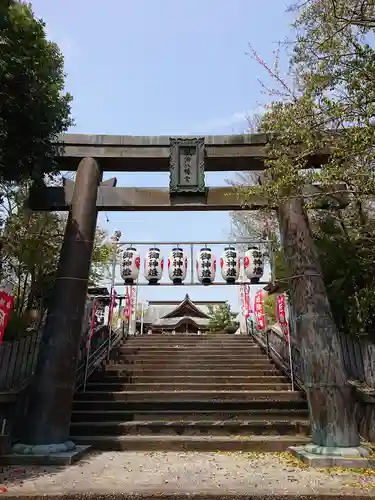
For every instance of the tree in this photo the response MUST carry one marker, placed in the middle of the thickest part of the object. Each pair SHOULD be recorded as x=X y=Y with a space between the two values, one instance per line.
x=324 y=104
x=330 y=89
x=347 y=251
x=255 y=224
x=34 y=109
x=221 y=318
x=270 y=309
x=31 y=253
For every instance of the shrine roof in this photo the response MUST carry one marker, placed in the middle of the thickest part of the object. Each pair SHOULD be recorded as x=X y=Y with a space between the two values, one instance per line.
x=187 y=308
x=174 y=322
x=162 y=309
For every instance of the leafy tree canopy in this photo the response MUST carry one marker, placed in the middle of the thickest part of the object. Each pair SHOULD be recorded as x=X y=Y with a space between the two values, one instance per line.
x=34 y=108
x=325 y=101
x=329 y=89
x=270 y=309
x=31 y=251
x=221 y=317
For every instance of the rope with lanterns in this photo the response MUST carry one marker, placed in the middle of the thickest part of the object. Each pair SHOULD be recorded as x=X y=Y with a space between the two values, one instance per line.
x=205 y=265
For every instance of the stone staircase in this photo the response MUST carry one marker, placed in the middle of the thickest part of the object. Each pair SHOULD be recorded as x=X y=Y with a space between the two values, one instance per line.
x=185 y=392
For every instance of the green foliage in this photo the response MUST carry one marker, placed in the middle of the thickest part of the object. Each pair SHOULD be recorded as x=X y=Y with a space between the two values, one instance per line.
x=270 y=309
x=347 y=252
x=101 y=256
x=30 y=250
x=329 y=89
x=257 y=226
x=221 y=318
x=33 y=106
x=17 y=326
x=325 y=103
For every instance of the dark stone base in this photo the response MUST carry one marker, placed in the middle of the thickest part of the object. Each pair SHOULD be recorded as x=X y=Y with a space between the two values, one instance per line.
x=353 y=458
x=153 y=282
x=177 y=281
x=129 y=281
x=254 y=281
x=63 y=458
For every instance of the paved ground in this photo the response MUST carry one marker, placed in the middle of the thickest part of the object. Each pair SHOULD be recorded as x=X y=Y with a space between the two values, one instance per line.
x=166 y=473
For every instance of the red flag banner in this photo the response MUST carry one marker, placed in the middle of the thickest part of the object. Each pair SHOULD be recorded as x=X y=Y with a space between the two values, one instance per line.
x=6 y=306
x=281 y=316
x=246 y=301
x=126 y=304
x=128 y=309
x=131 y=302
x=259 y=310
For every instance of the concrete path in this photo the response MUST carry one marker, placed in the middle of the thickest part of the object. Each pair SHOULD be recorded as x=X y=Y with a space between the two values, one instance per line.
x=156 y=473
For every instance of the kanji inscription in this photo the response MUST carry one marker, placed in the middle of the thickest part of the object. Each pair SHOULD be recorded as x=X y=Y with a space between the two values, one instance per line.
x=187 y=166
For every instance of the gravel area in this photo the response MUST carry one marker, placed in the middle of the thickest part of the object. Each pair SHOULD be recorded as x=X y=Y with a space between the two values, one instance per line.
x=210 y=473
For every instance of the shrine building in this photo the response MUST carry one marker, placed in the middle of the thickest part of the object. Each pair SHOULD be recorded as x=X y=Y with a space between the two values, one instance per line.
x=178 y=317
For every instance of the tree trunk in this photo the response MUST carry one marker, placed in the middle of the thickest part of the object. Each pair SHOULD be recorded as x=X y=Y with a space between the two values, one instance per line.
x=330 y=399
x=31 y=295
x=18 y=299
x=22 y=301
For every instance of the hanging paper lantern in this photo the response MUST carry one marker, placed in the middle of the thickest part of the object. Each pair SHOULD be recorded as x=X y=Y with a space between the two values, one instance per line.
x=230 y=264
x=253 y=264
x=130 y=265
x=206 y=266
x=154 y=264
x=177 y=265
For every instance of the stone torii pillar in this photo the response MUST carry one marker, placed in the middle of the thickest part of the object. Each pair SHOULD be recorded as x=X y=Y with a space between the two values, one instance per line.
x=334 y=433
x=52 y=390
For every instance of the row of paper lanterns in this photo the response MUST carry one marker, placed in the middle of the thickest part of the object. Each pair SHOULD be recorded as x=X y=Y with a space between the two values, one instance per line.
x=230 y=264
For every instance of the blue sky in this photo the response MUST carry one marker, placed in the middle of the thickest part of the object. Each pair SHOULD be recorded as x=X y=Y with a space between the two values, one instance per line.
x=165 y=68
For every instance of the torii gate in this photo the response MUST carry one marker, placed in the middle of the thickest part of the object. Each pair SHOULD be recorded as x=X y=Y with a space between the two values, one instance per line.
x=187 y=159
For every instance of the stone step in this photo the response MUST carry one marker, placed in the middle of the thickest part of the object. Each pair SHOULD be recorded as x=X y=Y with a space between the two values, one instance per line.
x=185 y=386
x=189 y=342
x=154 y=350
x=192 y=427
x=188 y=338
x=202 y=405
x=126 y=348
x=139 y=396
x=187 y=366
x=135 y=371
x=174 y=362
x=193 y=357
x=100 y=415
x=192 y=443
x=190 y=345
x=178 y=379
x=191 y=349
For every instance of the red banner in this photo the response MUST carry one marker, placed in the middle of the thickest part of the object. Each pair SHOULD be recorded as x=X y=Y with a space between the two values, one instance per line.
x=126 y=303
x=131 y=302
x=128 y=308
x=259 y=310
x=6 y=306
x=281 y=316
x=246 y=301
